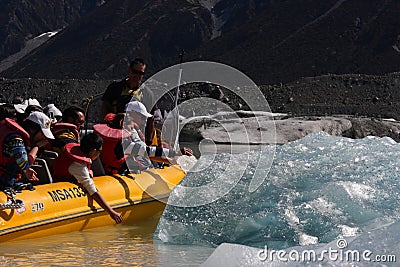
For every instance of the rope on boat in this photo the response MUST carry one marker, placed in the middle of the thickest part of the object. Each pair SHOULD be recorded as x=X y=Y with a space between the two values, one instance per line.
x=12 y=202
x=86 y=102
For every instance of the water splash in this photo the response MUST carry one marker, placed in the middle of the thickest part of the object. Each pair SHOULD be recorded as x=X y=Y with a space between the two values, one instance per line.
x=319 y=188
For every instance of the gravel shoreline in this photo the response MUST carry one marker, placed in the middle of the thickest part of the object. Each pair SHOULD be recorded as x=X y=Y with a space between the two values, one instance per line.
x=364 y=100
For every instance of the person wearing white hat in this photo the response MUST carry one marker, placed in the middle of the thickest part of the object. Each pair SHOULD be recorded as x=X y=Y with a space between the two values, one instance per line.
x=21 y=107
x=19 y=146
x=135 y=145
x=138 y=112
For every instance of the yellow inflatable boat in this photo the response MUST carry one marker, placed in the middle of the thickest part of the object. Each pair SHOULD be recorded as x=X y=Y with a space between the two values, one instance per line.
x=65 y=207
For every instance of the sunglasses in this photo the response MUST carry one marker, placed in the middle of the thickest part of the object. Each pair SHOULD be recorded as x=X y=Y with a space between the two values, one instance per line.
x=138 y=72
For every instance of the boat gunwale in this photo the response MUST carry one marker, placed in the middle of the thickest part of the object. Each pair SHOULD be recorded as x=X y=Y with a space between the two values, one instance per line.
x=91 y=210
x=77 y=215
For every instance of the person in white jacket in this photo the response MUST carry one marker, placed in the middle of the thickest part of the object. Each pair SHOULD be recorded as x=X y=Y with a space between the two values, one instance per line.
x=136 y=147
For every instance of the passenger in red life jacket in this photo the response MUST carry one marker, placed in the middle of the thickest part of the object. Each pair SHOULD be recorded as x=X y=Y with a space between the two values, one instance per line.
x=73 y=165
x=67 y=131
x=19 y=146
x=112 y=134
x=135 y=147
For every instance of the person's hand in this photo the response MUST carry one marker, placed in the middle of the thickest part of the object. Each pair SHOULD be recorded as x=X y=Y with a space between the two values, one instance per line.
x=91 y=173
x=116 y=216
x=30 y=174
x=187 y=151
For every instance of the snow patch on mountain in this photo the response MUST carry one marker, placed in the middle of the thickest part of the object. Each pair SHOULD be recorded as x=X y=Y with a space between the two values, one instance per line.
x=29 y=46
x=100 y=3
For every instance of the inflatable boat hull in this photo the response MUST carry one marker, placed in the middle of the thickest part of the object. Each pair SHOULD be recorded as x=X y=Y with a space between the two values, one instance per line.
x=65 y=207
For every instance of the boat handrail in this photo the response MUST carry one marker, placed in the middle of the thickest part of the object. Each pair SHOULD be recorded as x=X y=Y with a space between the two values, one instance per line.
x=43 y=173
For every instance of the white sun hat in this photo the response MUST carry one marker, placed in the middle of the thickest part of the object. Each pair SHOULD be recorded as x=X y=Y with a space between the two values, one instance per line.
x=52 y=108
x=20 y=108
x=31 y=102
x=44 y=122
x=138 y=107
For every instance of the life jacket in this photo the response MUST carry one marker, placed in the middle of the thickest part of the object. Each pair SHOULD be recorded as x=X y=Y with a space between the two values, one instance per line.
x=63 y=131
x=62 y=126
x=7 y=127
x=111 y=138
x=72 y=153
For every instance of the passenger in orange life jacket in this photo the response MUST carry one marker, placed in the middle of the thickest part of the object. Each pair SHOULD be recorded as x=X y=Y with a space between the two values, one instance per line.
x=135 y=146
x=73 y=165
x=67 y=131
x=19 y=146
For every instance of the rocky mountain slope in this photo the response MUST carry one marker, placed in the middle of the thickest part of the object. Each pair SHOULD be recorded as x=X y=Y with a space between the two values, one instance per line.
x=102 y=43
x=23 y=20
x=286 y=40
x=271 y=41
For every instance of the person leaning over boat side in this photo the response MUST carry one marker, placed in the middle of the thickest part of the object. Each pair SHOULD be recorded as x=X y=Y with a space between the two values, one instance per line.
x=16 y=141
x=135 y=145
x=67 y=131
x=73 y=165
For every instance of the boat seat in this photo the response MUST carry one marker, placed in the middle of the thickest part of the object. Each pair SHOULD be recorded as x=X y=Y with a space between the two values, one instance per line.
x=49 y=156
x=43 y=172
x=97 y=168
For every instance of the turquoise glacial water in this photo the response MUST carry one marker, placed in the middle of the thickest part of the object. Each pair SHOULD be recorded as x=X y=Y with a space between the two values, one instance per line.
x=319 y=189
